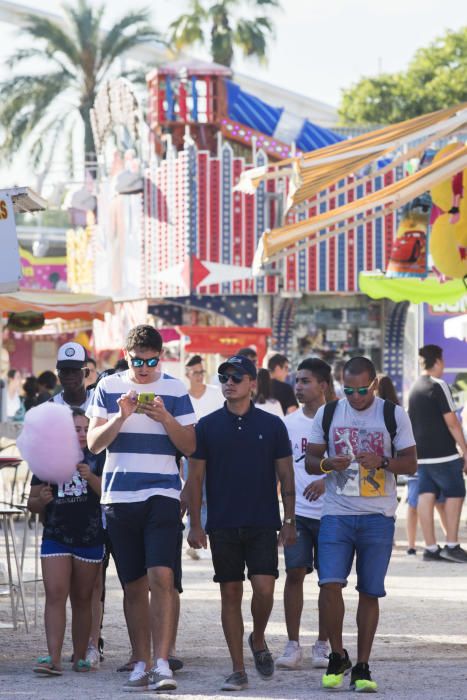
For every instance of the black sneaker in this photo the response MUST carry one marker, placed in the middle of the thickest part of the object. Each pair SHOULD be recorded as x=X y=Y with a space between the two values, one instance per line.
x=175 y=664
x=411 y=550
x=238 y=680
x=100 y=648
x=263 y=660
x=455 y=554
x=360 y=680
x=338 y=667
x=432 y=556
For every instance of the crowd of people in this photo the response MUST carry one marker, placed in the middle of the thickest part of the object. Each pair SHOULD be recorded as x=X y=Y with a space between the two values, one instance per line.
x=331 y=449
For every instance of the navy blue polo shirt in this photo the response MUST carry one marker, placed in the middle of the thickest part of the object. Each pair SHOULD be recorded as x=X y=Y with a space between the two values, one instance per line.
x=240 y=454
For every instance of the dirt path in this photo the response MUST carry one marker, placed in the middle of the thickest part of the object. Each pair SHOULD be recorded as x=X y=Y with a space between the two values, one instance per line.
x=420 y=649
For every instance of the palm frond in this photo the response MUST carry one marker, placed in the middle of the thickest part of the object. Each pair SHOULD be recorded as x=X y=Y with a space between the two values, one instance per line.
x=138 y=20
x=251 y=36
x=55 y=38
x=125 y=43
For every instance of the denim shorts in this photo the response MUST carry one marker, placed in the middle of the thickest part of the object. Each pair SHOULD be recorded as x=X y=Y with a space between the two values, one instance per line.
x=51 y=548
x=146 y=534
x=369 y=537
x=304 y=553
x=412 y=493
x=446 y=478
x=234 y=548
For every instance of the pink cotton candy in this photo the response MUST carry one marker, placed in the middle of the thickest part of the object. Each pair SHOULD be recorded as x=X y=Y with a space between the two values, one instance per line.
x=49 y=443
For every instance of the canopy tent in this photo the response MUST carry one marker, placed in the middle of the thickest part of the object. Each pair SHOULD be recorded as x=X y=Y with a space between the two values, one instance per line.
x=273 y=243
x=57 y=304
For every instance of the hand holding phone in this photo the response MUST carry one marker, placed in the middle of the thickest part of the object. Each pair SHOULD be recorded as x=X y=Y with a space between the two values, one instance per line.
x=144 y=397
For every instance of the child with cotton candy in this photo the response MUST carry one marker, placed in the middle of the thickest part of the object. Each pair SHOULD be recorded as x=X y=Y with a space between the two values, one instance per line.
x=72 y=547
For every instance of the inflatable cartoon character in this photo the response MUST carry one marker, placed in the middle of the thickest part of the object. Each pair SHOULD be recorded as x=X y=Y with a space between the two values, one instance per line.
x=409 y=252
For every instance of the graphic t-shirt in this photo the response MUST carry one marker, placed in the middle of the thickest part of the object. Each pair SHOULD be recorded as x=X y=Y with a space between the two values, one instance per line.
x=429 y=400
x=299 y=429
x=74 y=516
x=356 y=490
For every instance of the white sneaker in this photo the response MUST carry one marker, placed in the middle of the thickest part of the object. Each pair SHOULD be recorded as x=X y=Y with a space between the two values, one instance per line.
x=319 y=655
x=192 y=553
x=292 y=656
x=92 y=656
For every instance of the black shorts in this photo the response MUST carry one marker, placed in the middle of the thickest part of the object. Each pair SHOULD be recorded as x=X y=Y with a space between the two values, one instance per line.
x=146 y=534
x=233 y=548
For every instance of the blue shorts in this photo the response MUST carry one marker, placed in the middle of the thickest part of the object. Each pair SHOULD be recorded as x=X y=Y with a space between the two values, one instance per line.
x=304 y=553
x=412 y=493
x=146 y=534
x=51 y=548
x=446 y=478
x=370 y=537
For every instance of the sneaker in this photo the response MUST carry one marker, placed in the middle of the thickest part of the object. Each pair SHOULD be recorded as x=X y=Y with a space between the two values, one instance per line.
x=175 y=664
x=320 y=654
x=193 y=554
x=100 y=648
x=138 y=680
x=161 y=681
x=292 y=656
x=92 y=656
x=360 y=680
x=456 y=554
x=432 y=556
x=411 y=550
x=263 y=660
x=238 y=680
x=338 y=667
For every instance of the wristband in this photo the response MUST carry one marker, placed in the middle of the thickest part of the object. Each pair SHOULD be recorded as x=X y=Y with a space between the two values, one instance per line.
x=325 y=471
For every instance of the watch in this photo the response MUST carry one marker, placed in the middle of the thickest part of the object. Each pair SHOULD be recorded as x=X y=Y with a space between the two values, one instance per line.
x=384 y=463
x=289 y=521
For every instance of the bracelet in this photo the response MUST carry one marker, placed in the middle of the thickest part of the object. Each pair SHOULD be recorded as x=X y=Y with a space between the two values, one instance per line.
x=325 y=471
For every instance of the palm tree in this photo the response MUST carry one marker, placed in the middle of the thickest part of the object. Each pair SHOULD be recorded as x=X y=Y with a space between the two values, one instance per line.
x=64 y=69
x=217 y=16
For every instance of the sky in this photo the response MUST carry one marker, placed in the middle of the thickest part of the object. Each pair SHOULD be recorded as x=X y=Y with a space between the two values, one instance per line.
x=321 y=46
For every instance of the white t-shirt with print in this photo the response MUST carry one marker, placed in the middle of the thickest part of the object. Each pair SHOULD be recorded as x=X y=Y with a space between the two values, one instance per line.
x=210 y=401
x=299 y=428
x=356 y=490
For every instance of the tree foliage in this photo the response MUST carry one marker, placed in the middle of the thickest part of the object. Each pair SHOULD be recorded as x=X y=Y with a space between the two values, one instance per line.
x=62 y=69
x=226 y=26
x=435 y=78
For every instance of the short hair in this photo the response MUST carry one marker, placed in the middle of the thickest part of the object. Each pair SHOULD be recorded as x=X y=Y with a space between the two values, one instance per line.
x=47 y=379
x=359 y=365
x=12 y=373
x=319 y=368
x=429 y=354
x=276 y=360
x=77 y=411
x=247 y=352
x=92 y=361
x=144 y=336
x=195 y=360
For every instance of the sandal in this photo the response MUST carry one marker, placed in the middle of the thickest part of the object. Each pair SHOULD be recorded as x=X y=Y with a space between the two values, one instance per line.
x=82 y=666
x=45 y=667
x=126 y=668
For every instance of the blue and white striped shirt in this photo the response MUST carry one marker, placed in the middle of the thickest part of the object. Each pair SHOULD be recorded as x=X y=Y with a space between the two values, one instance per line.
x=140 y=462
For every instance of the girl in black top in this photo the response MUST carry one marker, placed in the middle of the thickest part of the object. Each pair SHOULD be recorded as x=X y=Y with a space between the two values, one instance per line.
x=71 y=552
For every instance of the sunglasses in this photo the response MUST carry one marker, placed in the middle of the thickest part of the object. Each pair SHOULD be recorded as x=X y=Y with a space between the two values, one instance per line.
x=361 y=391
x=236 y=378
x=139 y=362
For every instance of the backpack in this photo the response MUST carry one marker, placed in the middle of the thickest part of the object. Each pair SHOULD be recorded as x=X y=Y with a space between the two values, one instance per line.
x=389 y=413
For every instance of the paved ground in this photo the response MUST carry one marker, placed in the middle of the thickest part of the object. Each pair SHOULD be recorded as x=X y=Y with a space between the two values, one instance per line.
x=420 y=650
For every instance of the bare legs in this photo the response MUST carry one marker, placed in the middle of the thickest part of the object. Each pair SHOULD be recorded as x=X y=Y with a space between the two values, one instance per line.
x=449 y=515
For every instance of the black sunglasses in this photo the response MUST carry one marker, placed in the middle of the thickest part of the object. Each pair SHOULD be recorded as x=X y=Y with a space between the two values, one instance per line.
x=139 y=362
x=236 y=378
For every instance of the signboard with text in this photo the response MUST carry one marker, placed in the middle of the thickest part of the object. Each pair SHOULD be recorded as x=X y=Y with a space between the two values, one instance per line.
x=10 y=268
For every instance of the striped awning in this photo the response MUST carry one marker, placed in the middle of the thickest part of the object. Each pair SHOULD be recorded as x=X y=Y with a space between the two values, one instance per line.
x=57 y=304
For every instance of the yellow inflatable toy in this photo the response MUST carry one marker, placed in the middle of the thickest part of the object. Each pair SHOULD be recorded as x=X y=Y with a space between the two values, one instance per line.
x=444 y=249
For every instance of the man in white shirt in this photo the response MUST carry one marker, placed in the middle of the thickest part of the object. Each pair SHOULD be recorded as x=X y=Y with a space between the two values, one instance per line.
x=205 y=398
x=312 y=380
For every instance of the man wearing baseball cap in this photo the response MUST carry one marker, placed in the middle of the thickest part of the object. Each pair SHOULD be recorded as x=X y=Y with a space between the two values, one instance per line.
x=241 y=450
x=72 y=372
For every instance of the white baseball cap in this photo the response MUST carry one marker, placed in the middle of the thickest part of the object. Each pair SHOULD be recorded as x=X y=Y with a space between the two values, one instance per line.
x=71 y=355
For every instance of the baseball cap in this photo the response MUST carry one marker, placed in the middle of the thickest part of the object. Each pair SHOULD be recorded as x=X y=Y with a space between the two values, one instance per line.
x=71 y=355
x=241 y=363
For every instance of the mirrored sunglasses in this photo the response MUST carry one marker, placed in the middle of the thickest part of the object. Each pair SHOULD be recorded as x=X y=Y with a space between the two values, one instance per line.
x=139 y=362
x=362 y=390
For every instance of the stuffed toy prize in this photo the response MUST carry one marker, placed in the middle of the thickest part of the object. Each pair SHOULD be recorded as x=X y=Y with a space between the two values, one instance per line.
x=49 y=443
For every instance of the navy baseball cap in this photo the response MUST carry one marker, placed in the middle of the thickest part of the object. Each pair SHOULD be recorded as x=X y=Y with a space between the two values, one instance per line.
x=241 y=363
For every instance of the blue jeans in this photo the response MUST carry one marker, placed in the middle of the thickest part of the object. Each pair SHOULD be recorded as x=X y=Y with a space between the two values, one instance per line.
x=369 y=537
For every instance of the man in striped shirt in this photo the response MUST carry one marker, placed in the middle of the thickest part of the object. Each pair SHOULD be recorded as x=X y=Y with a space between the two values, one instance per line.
x=142 y=417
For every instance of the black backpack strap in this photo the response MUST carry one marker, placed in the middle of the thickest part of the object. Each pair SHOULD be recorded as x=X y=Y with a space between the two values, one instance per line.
x=328 y=414
x=389 y=413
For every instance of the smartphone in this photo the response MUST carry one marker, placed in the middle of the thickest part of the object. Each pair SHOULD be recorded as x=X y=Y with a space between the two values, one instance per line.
x=145 y=397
